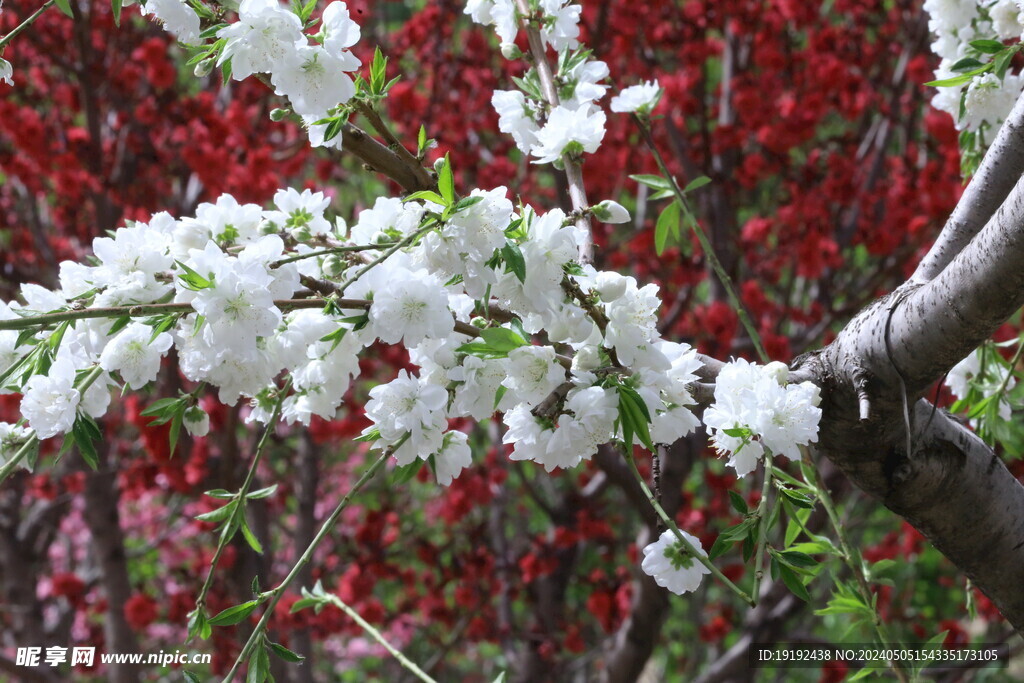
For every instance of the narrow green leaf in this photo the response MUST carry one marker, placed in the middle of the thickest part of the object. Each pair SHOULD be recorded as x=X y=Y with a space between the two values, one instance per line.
x=234 y=615
x=250 y=538
x=446 y=182
x=988 y=47
x=116 y=6
x=738 y=503
x=515 y=260
x=262 y=493
x=793 y=583
x=667 y=226
x=259 y=666
x=697 y=183
x=962 y=79
x=427 y=195
x=655 y=182
x=286 y=654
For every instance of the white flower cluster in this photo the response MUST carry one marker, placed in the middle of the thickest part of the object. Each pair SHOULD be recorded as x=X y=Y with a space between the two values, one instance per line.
x=984 y=372
x=270 y=38
x=755 y=409
x=577 y=125
x=987 y=99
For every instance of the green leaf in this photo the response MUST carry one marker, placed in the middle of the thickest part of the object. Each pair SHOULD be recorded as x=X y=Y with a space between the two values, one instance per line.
x=797 y=559
x=286 y=654
x=655 y=182
x=667 y=226
x=797 y=499
x=988 y=47
x=499 y=394
x=502 y=339
x=406 y=473
x=165 y=407
x=421 y=140
x=1002 y=61
x=84 y=440
x=446 y=182
x=737 y=432
x=250 y=538
x=221 y=494
x=116 y=7
x=697 y=183
x=426 y=195
x=235 y=615
x=962 y=79
x=738 y=503
x=819 y=546
x=730 y=536
x=966 y=64
x=262 y=493
x=219 y=515
x=65 y=7
x=259 y=666
x=793 y=582
x=175 y=432
x=635 y=417
x=515 y=260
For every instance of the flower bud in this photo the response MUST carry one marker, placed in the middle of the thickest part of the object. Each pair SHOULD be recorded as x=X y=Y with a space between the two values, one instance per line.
x=301 y=233
x=197 y=422
x=610 y=212
x=333 y=266
x=587 y=358
x=204 y=68
x=610 y=286
x=278 y=114
x=510 y=51
x=778 y=371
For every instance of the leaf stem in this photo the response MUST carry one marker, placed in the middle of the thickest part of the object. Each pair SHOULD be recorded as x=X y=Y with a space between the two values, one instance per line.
x=705 y=244
x=763 y=513
x=24 y=25
x=670 y=523
x=379 y=637
x=239 y=511
x=278 y=592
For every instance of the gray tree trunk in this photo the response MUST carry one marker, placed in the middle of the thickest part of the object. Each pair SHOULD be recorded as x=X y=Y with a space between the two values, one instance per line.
x=942 y=479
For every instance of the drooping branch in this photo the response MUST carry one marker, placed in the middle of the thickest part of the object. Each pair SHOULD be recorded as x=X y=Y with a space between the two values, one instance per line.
x=999 y=171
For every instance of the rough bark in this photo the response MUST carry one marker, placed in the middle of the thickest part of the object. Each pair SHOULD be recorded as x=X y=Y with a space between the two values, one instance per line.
x=943 y=480
x=996 y=176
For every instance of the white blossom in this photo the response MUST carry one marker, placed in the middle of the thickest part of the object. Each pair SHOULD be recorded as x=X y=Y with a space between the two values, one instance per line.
x=407 y=405
x=314 y=80
x=134 y=356
x=641 y=98
x=533 y=373
x=453 y=457
x=516 y=117
x=671 y=565
x=50 y=401
x=176 y=16
x=265 y=35
x=569 y=131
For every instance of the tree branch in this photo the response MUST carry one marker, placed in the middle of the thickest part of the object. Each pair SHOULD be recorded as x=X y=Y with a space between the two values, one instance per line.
x=999 y=171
